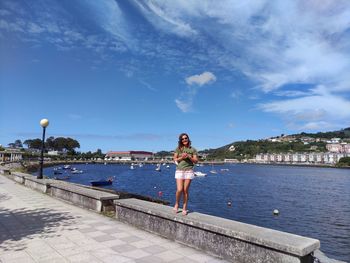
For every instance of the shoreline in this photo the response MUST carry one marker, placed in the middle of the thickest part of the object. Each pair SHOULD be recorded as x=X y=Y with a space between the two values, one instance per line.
x=34 y=166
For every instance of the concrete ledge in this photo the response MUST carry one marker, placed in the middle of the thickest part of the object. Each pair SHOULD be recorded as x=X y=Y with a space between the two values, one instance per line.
x=87 y=198
x=41 y=185
x=231 y=240
x=5 y=171
x=76 y=194
x=18 y=177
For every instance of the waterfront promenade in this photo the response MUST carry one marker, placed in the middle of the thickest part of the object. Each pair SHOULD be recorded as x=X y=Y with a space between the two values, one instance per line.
x=35 y=227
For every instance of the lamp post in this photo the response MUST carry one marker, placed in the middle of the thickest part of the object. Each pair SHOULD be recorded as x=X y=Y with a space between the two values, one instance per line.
x=44 y=123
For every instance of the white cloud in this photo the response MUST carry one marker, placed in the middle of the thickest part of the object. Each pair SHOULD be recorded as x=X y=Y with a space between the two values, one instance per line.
x=313 y=111
x=187 y=98
x=201 y=79
x=184 y=105
x=161 y=17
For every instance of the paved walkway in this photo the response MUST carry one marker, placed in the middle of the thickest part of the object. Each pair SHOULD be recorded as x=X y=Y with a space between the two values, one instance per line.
x=37 y=228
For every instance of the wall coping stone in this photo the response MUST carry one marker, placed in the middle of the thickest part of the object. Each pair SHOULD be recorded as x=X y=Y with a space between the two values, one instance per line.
x=95 y=194
x=278 y=240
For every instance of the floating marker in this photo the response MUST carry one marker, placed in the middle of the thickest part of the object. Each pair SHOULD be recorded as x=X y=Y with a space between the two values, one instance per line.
x=160 y=193
x=276 y=212
x=229 y=203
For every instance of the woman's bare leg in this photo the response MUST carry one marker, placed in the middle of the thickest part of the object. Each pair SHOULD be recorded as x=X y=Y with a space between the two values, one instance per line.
x=179 y=190
x=187 y=184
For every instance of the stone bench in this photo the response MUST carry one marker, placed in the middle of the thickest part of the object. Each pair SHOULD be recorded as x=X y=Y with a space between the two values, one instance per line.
x=228 y=239
x=5 y=171
x=85 y=197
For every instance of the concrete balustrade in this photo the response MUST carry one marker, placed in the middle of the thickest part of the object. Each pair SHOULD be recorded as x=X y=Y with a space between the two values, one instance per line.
x=84 y=197
x=230 y=240
x=76 y=194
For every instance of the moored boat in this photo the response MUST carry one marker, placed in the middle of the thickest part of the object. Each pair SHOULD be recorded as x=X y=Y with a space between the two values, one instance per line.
x=200 y=174
x=108 y=181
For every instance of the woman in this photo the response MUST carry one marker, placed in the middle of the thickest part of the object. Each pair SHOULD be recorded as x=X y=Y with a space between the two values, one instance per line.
x=185 y=157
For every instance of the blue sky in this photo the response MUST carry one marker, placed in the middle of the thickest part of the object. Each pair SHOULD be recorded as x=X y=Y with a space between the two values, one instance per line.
x=133 y=75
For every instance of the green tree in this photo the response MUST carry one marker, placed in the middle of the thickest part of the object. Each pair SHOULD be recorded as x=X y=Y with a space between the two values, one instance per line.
x=33 y=143
x=345 y=161
x=50 y=143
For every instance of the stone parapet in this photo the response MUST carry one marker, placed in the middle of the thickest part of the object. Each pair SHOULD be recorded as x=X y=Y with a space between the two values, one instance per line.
x=76 y=194
x=85 y=197
x=230 y=240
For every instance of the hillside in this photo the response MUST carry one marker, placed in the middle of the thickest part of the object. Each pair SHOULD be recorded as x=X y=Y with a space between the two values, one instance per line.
x=303 y=142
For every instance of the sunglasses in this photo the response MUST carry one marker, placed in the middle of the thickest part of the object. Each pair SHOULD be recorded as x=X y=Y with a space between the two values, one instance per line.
x=185 y=138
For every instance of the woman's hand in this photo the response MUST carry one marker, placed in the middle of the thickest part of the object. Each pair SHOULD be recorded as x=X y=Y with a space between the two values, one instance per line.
x=184 y=156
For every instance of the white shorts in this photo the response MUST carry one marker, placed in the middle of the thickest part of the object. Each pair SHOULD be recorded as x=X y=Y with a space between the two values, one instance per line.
x=184 y=174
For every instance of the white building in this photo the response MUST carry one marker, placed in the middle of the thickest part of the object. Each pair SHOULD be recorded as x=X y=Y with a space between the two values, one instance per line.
x=128 y=155
x=10 y=156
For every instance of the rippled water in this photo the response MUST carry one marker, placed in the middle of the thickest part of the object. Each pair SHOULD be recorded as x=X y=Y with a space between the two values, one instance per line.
x=313 y=202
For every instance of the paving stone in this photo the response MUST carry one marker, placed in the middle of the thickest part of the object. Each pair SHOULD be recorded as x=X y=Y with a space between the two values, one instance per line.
x=168 y=256
x=151 y=259
x=137 y=253
x=104 y=238
x=154 y=249
x=123 y=248
x=130 y=239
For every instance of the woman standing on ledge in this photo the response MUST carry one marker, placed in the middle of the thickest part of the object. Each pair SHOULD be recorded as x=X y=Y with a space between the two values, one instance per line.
x=185 y=157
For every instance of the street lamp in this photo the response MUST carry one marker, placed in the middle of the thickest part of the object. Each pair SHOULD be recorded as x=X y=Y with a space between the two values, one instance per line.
x=44 y=123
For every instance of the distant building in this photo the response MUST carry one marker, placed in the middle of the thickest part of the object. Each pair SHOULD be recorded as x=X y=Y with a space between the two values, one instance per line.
x=301 y=158
x=128 y=155
x=337 y=147
x=10 y=155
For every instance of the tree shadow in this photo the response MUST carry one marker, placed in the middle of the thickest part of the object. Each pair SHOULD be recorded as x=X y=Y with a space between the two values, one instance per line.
x=20 y=226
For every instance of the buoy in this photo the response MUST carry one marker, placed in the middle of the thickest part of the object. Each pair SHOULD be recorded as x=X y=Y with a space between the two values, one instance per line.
x=229 y=203
x=160 y=193
x=276 y=212
x=155 y=187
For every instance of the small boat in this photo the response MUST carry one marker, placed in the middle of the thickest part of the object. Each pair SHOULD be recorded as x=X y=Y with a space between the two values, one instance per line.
x=158 y=167
x=75 y=171
x=200 y=174
x=213 y=171
x=132 y=167
x=67 y=166
x=61 y=178
x=224 y=170
x=108 y=181
x=57 y=172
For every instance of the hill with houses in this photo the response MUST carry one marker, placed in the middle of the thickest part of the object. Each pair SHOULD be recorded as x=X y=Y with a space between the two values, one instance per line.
x=295 y=143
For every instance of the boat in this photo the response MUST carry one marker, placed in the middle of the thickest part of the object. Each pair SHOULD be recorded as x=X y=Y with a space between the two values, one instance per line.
x=67 y=166
x=158 y=167
x=224 y=170
x=132 y=167
x=76 y=171
x=61 y=178
x=107 y=181
x=213 y=171
x=200 y=174
x=57 y=172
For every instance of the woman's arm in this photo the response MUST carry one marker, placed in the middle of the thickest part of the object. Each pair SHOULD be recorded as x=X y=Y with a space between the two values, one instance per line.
x=194 y=158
